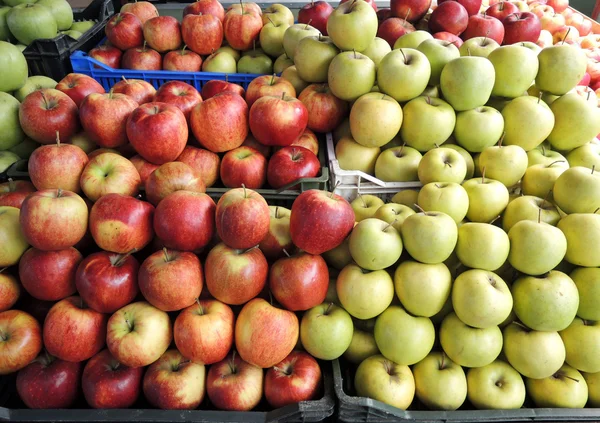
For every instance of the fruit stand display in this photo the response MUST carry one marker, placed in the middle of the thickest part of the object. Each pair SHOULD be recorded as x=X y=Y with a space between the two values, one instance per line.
x=395 y=220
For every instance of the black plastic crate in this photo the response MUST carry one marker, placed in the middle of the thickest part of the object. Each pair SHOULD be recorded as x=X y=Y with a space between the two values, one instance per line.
x=354 y=409
x=52 y=57
x=12 y=409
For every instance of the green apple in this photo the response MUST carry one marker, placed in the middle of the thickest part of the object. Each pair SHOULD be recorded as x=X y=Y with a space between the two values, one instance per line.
x=412 y=39
x=468 y=346
x=27 y=147
x=403 y=74
x=229 y=50
x=255 y=63
x=220 y=62
x=294 y=34
x=577 y=190
x=407 y=197
x=428 y=122
x=439 y=53
x=478 y=46
x=13 y=68
x=466 y=155
x=291 y=74
x=394 y=213
x=516 y=67
x=339 y=257
x=398 y=164
x=384 y=380
x=271 y=37
x=82 y=26
x=539 y=179
x=352 y=25
x=7 y=158
x=543 y=154
x=536 y=247
x=61 y=11
x=482 y=246
x=14 y=243
x=326 y=331
x=496 y=386
x=361 y=347
x=282 y=63
x=576 y=122
x=353 y=156
x=467 y=82
x=351 y=75
x=4 y=31
x=487 y=199
x=566 y=388
x=561 y=68
x=403 y=338
x=447 y=197
x=504 y=163
x=29 y=22
x=534 y=354
x=429 y=237
x=527 y=122
x=375 y=107
x=478 y=128
x=531 y=46
x=440 y=383
x=365 y=206
x=85 y=142
x=431 y=92
x=582 y=230
x=377 y=50
x=375 y=244
x=34 y=83
x=588 y=155
x=582 y=341
x=446 y=310
x=546 y=303
x=10 y=128
x=588 y=285
x=442 y=165
x=593 y=384
x=364 y=294
x=277 y=13
x=530 y=208
x=422 y=288
x=313 y=56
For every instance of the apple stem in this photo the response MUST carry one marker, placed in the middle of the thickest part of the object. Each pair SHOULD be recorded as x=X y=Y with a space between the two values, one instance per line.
x=521 y=325
x=443 y=363
x=283 y=96
x=123 y=257
x=183 y=50
x=593 y=169
x=269 y=18
x=403 y=55
x=501 y=139
x=354 y=51
x=483 y=43
x=595 y=211
x=468 y=51
x=561 y=374
x=544 y=200
x=244 y=188
x=329 y=307
x=553 y=163
x=307 y=24
x=144 y=47
x=419 y=208
x=337 y=184
x=242 y=6
x=279 y=369
x=407 y=13
x=3 y=269
x=57 y=139
x=232 y=363
x=589 y=93
x=494 y=219
x=389 y=224
x=129 y=325
x=276 y=212
x=3 y=337
x=428 y=100
x=166 y=253
x=483 y=175
x=110 y=93
x=44 y=99
x=363 y=201
x=286 y=253
x=249 y=249
x=58 y=193
x=12 y=187
x=566 y=35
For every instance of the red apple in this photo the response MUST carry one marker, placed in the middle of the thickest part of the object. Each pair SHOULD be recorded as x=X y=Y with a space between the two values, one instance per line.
x=203 y=161
x=235 y=385
x=559 y=6
x=411 y=10
x=242 y=27
x=20 y=340
x=171 y=280
x=265 y=335
x=290 y=164
x=79 y=86
x=53 y=219
x=138 y=334
x=203 y=332
x=13 y=193
x=109 y=173
x=501 y=10
x=316 y=13
x=246 y=6
x=583 y=25
x=235 y=276
x=144 y=168
x=472 y=6
x=162 y=33
x=325 y=111
x=383 y=14
x=205 y=7
x=158 y=132
x=251 y=142
x=109 y=384
x=49 y=275
x=217 y=86
x=185 y=220
x=393 y=28
x=371 y=2
x=139 y=90
x=484 y=26
x=244 y=166
x=172 y=177
x=585 y=81
x=295 y=379
x=107 y=54
x=144 y=10
x=45 y=112
x=49 y=382
x=57 y=166
x=309 y=141
x=179 y=94
x=203 y=34
x=278 y=120
x=320 y=221
x=221 y=122
x=142 y=58
x=107 y=281
x=120 y=223
x=446 y=36
x=174 y=383
x=124 y=31
x=268 y=85
x=520 y=27
x=10 y=290
x=104 y=118
x=451 y=17
x=73 y=332
x=182 y=60
x=242 y=218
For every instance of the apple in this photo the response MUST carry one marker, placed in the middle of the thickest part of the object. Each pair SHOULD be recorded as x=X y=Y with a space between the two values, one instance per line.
x=202 y=33
x=585 y=279
x=440 y=383
x=78 y=86
x=282 y=63
x=574 y=190
x=583 y=25
x=415 y=230
x=581 y=340
x=354 y=156
x=313 y=56
x=278 y=13
x=295 y=379
x=566 y=34
x=10 y=230
x=451 y=38
x=527 y=135
x=243 y=166
x=272 y=33
x=479 y=83
x=179 y=94
x=581 y=230
x=422 y=288
x=278 y=240
x=107 y=54
x=443 y=165
x=291 y=74
x=205 y=7
x=326 y=331
x=268 y=85
x=124 y=30
x=214 y=87
x=10 y=290
x=352 y=25
x=171 y=177
x=487 y=199
x=570 y=63
x=371 y=106
x=291 y=164
x=241 y=27
x=505 y=60
x=506 y=164
x=21 y=340
x=104 y=117
x=144 y=10
x=576 y=121
x=142 y=59
x=393 y=213
x=521 y=26
x=478 y=46
x=109 y=173
x=139 y=90
x=450 y=16
x=501 y=9
x=408 y=65
x=439 y=53
x=531 y=208
x=566 y=388
x=365 y=206
x=164 y=33
x=220 y=62
x=392 y=29
x=375 y=244
x=411 y=10
x=495 y=386
x=316 y=13
x=364 y=294
x=325 y=111
x=484 y=26
x=278 y=120
x=182 y=60
x=13 y=193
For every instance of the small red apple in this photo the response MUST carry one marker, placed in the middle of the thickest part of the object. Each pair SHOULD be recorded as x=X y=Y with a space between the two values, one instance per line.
x=501 y=10
x=13 y=193
x=171 y=177
x=278 y=120
x=107 y=54
x=124 y=31
x=325 y=111
x=295 y=379
x=244 y=166
x=142 y=58
x=203 y=161
x=162 y=33
x=182 y=60
x=179 y=94
x=217 y=86
x=79 y=86
x=520 y=27
x=316 y=13
x=141 y=91
x=205 y=7
x=290 y=164
x=268 y=85
x=203 y=34
x=20 y=340
x=144 y=10
x=451 y=17
x=10 y=290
